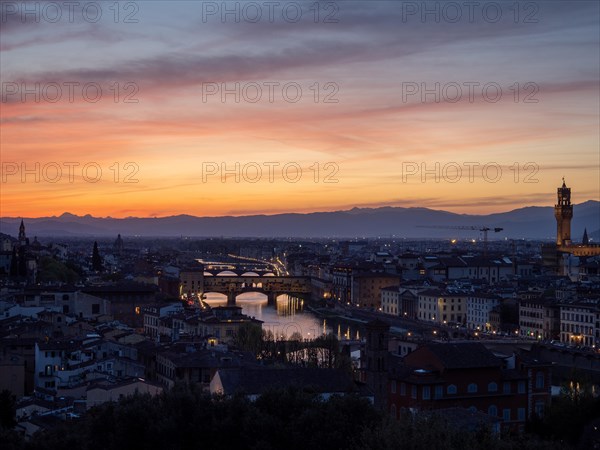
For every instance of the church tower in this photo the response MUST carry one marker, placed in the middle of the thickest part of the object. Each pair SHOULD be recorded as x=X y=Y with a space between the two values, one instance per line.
x=23 y=241
x=377 y=356
x=563 y=211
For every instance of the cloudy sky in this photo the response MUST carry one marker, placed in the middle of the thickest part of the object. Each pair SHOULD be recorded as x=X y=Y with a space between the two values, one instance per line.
x=155 y=108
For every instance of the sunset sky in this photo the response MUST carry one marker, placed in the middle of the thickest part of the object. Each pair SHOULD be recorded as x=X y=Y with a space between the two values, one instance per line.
x=373 y=141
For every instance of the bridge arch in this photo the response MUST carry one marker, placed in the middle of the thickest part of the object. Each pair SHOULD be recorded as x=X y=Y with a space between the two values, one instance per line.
x=250 y=274
x=227 y=273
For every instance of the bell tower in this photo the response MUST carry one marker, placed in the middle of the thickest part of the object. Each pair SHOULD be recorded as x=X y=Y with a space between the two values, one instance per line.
x=563 y=211
x=376 y=354
x=23 y=241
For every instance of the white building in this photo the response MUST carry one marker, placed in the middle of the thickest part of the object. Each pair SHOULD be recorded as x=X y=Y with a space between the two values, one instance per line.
x=153 y=314
x=62 y=363
x=442 y=306
x=390 y=300
x=478 y=310
x=578 y=323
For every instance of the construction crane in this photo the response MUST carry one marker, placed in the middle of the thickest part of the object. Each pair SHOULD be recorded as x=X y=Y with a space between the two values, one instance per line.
x=484 y=229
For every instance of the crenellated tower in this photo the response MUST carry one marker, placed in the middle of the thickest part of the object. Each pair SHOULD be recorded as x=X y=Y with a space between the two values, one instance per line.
x=563 y=211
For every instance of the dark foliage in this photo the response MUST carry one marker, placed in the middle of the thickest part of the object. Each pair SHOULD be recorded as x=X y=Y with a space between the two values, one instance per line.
x=185 y=418
x=52 y=270
x=7 y=409
x=96 y=259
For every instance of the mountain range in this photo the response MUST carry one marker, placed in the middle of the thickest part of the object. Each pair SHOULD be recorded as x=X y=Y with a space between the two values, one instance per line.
x=533 y=222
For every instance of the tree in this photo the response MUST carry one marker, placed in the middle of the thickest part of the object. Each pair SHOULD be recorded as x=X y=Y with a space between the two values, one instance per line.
x=292 y=418
x=570 y=412
x=249 y=338
x=96 y=259
x=7 y=409
x=22 y=263
x=14 y=264
x=51 y=269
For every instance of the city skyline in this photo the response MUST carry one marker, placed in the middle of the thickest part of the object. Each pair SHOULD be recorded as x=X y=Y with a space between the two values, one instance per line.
x=378 y=108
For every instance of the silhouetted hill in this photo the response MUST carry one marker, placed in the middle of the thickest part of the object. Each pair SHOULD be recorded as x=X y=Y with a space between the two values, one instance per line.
x=533 y=222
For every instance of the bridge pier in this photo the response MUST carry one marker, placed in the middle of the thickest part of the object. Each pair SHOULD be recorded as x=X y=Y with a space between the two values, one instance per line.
x=231 y=298
x=272 y=299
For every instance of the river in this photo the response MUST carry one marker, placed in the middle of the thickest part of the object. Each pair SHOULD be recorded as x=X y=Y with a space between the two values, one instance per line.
x=287 y=317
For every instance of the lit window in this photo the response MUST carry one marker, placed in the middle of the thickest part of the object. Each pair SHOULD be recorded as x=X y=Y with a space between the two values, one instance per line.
x=451 y=389
x=137 y=310
x=493 y=411
x=472 y=388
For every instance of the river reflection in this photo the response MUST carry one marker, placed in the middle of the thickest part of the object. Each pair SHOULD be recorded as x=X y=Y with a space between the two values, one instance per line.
x=289 y=316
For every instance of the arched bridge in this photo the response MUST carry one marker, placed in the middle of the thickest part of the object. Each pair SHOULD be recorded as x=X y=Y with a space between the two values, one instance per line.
x=247 y=271
x=234 y=285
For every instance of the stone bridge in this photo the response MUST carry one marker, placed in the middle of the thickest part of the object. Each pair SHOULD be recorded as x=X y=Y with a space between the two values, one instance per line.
x=272 y=286
x=239 y=271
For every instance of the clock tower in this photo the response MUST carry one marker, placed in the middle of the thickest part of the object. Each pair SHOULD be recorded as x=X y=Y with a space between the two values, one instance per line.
x=563 y=211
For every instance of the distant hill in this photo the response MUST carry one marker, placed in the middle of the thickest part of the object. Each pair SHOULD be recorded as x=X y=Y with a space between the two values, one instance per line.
x=532 y=222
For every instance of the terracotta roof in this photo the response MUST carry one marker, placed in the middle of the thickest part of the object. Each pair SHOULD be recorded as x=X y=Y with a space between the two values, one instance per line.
x=461 y=355
x=258 y=380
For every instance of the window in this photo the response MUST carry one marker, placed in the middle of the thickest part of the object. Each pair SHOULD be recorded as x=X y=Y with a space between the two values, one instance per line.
x=414 y=392
x=506 y=387
x=451 y=389
x=439 y=391
x=506 y=414
x=472 y=409
x=95 y=308
x=521 y=414
x=472 y=388
x=539 y=380
x=393 y=411
x=402 y=389
x=521 y=388
x=492 y=387
x=493 y=411
x=393 y=386
x=426 y=393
